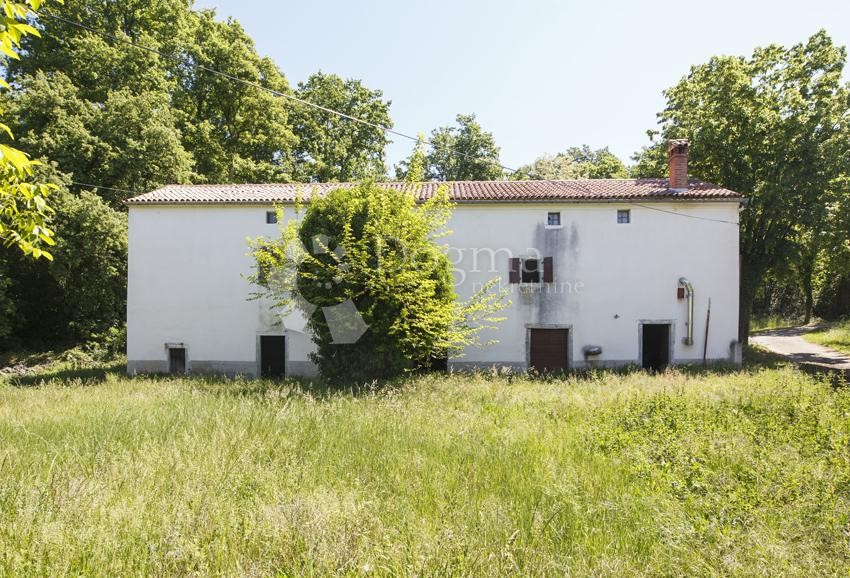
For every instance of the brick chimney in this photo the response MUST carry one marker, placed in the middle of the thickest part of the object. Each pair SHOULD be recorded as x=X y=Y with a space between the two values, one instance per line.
x=677 y=152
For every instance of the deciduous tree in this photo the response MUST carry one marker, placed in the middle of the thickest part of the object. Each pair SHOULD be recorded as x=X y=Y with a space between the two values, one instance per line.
x=574 y=163
x=773 y=127
x=24 y=212
x=464 y=152
x=335 y=149
x=236 y=132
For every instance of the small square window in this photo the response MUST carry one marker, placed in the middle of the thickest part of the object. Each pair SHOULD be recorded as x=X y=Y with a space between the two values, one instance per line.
x=271 y=217
x=624 y=216
x=553 y=219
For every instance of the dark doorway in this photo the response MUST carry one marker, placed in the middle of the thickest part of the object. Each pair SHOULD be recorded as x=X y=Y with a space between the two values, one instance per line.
x=439 y=362
x=549 y=349
x=272 y=355
x=655 y=346
x=176 y=360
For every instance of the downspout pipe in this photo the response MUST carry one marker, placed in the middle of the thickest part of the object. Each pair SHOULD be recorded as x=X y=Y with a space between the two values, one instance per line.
x=689 y=293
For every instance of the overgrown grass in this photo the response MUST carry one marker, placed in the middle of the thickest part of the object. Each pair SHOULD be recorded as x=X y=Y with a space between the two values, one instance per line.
x=685 y=473
x=836 y=336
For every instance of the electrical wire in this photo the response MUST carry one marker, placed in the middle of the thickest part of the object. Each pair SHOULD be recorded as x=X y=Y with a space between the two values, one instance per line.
x=683 y=214
x=91 y=186
x=313 y=105
x=259 y=86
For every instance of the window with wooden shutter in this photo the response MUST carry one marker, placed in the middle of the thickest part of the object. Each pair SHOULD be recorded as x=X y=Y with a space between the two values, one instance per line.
x=548 y=270
x=513 y=273
x=531 y=270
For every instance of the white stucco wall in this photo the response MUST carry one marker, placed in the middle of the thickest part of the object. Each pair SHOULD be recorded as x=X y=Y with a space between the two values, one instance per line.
x=187 y=285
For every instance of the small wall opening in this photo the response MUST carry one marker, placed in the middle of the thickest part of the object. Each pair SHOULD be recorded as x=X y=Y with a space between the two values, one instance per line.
x=439 y=363
x=272 y=356
x=655 y=346
x=176 y=360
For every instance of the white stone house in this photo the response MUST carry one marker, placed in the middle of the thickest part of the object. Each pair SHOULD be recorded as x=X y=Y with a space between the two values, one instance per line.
x=600 y=273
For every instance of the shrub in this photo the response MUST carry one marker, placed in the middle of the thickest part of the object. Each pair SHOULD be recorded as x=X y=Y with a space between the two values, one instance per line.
x=376 y=289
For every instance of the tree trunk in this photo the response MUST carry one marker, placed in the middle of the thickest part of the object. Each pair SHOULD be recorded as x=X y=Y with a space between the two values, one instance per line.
x=744 y=311
x=807 y=272
x=750 y=279
x=810 y=299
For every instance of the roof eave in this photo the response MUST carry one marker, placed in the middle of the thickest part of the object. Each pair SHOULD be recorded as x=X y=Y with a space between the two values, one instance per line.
x=632 y=200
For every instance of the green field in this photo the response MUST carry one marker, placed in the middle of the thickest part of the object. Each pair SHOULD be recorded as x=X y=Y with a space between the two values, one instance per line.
x=837 y=337
x=686 y=473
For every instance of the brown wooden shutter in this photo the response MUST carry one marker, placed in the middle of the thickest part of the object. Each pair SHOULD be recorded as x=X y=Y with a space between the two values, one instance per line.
x=548 y=270
x=513 y=274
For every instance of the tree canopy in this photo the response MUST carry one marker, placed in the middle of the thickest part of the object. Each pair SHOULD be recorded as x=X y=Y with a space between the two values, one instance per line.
x=24 y=212
x=334 y=149
x=128 y=119
x=465 y=152
x=153 y=114
x=773 y=126
x=574 y=163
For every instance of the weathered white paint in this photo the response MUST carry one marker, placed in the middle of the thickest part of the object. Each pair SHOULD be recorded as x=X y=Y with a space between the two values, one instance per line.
x=188 y=266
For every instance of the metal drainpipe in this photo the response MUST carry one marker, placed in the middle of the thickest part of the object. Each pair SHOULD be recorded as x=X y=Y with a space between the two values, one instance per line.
x=689 y=293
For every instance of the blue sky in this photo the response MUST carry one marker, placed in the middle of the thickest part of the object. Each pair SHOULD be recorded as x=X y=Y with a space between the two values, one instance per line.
x=540 y=75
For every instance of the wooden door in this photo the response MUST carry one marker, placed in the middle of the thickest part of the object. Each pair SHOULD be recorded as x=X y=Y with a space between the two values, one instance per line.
x=549 y=349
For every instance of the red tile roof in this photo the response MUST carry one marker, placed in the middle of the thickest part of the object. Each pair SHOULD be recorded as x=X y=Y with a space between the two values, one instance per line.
x=460 y=191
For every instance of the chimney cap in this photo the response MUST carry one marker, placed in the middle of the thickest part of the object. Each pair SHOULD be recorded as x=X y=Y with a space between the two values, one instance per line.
x=678 y=145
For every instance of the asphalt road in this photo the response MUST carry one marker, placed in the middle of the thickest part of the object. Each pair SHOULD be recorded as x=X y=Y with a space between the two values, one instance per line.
x=790 y=343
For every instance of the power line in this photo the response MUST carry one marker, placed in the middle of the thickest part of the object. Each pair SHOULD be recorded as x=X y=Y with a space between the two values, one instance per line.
x=683 y=214
x=89 y=185
x=293 y=98
x=259 y=86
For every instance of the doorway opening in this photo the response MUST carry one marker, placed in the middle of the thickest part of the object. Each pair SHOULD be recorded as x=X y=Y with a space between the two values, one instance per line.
x=549 y=349
x=655 y=346
x=439 y=363
x=176 y=360
x=272 y=355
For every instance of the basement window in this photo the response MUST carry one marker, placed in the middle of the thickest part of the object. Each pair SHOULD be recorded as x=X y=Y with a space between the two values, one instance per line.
x=624 y=216
x=271 y=217
x=553 y=220
x=529 y=270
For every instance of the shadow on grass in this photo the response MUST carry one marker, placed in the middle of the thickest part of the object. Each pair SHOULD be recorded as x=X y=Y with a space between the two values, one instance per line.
x=76 y=375
x=243 y=386
x=755 y=359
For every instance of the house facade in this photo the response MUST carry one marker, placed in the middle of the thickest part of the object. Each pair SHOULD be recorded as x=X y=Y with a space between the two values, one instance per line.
x=599 y=273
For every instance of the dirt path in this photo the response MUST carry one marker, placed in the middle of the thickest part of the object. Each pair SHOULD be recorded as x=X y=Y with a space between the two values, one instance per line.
x=790 y=343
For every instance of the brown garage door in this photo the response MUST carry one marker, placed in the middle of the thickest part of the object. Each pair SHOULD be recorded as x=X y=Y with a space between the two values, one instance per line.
x=549 y=349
